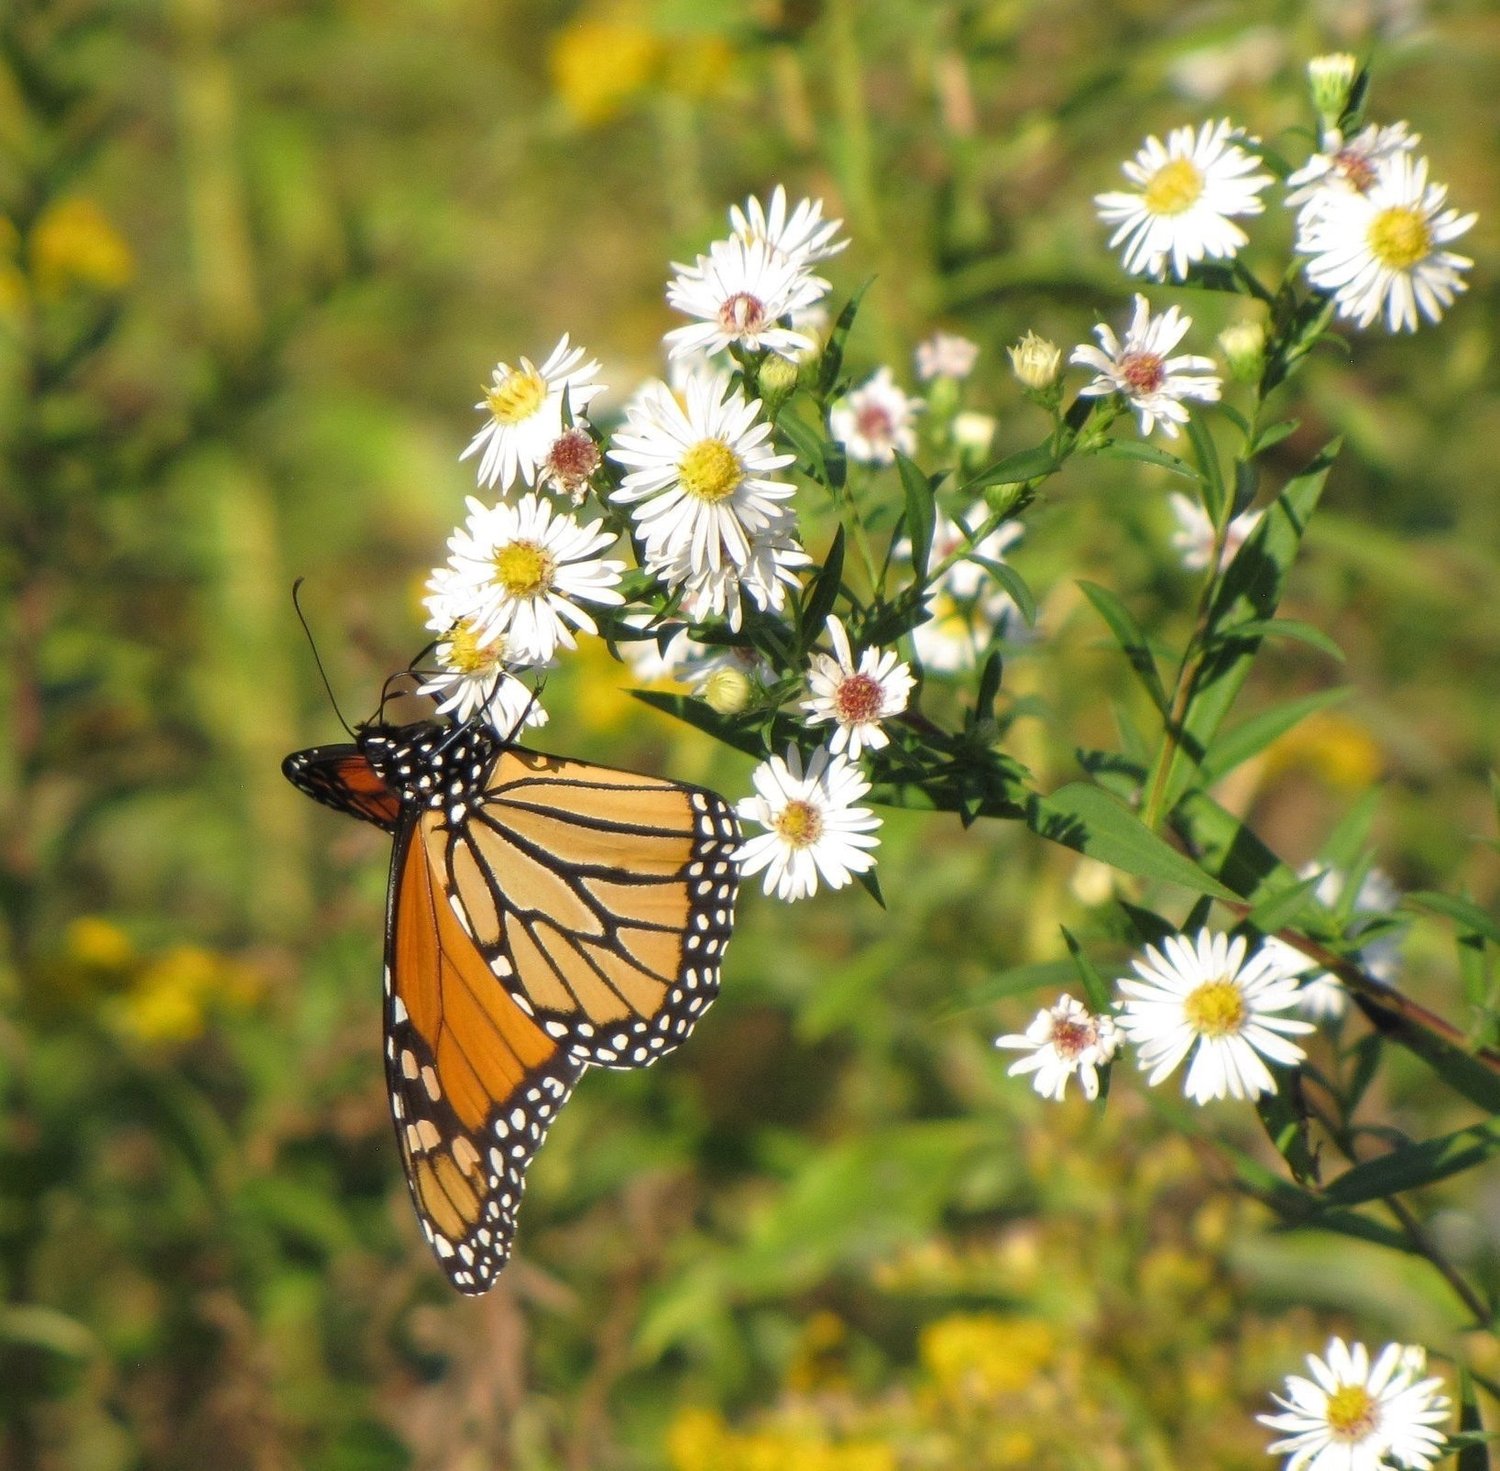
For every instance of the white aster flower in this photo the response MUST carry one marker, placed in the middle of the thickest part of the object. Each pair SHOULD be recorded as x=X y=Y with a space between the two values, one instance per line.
x=1343 y=170
x=1356 y=1416
x=739 y=293
x=1383 y=252
x=1194 y=537
x=812 y=826
x=802 y=238
x=699 y=477
x=768 y=572
x=521 y=570
x=1062 y=1040
x=525 y=405
x=474 y=675
x=1152 y=383
x=856 y=699
x=1204 y=996
x=876 y=420
x=945 y=355
x=1191 y=187
x=1323 y=997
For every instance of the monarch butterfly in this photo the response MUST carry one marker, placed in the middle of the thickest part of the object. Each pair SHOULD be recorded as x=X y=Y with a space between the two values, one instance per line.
x=543 y=915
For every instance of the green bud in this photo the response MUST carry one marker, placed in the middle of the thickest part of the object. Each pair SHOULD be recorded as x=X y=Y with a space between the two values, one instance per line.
x=1244 y=347
x=1330 y=79
x=776 y=380
x=726 y=691
x=1036 y=362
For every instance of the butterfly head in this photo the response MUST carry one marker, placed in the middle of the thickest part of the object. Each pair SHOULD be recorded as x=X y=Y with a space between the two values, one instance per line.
x=432 y=763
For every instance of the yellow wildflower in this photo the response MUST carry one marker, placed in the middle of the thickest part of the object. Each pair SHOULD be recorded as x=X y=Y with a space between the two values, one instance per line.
x=1332 y=746
x=601 y=59
x=74 y=244
x=981 y=1355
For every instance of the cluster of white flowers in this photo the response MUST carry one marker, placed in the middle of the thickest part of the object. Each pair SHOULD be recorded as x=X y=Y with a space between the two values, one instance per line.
x=1372 y=229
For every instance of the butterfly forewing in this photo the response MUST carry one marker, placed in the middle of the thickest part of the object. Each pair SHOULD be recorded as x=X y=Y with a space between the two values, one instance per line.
x=600 y=899
x=474 y=1082
x=342 y=777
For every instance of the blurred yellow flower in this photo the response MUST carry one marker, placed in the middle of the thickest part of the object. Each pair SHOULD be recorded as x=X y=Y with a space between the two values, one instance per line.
x=74 y=244
x=98 y=944
x=981 y=1355
x=1331 y=746
x=695 y=1440
x=601 y=59
x=818 y=1360
x=170 y=999
x=12 y=282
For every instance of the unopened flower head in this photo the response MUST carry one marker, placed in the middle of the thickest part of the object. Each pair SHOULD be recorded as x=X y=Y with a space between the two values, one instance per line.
x=474 y=676
x=525 y=408
x=1206 y=997
x=1384 y=252
x=856 y=698
x=572 y=463
x=1035 y=362
x=813 y=827
x=739 y=293
x=1152 y=383
x=1190 y=190
x=802 y=237
x=699 y=479
x=1062 y=1040
x=1194 y=537
x=726 y=691
x=1352 y=1415
x=1342 y=168
x=944 y=355
x=1244 y=347
x=876 y=420
x=1330 y=80
x=521 y=570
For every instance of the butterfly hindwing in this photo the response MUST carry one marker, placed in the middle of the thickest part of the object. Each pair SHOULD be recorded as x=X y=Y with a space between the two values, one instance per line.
x=342 y=777
x=600 y=899
x=474 y=1082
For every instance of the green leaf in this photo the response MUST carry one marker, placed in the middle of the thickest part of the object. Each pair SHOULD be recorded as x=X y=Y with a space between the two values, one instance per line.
x=1349 y=1223
x=1283 y=906
x=1095 y=987
x=723 y=728
x=1292 y=628
x=1414 y=1165
x=1134 y=449
x=921 y=512
x=1251 y=588
x=1026 y=464
x=1284 y=1117
x=1351 y=834
x=1273 y=434
x=1458 y=1069
x=1013 y=583
x=1230 y=850
x=831 y=364
x=823 y=593
x=989 y=687
x=1131 y=638
x=1471 y=1439
x=1464 y=912
x=1252 y=736
x=1212 y=473
x=809 y=444
x=1090 y=821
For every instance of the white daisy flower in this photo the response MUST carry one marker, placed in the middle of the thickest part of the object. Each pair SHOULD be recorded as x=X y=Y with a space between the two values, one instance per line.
x=876 y=420
x=945 y=355
x=699 y=477
x=1194 y=537
x=968 y=607
x=572 y=462
x=856 y=699
x=740 y=293
x=802 y=238
x=1152 y=383
x=1356 y=1416
x=1191 y=188
x=521 y=570
x=475 y=676
x=525 y=405
x=768 y=572
x=1383 y=252
x=1205 y=997
x=1062 y=1040
x=1341 y=170
x=813 y=828
x=1323 y=997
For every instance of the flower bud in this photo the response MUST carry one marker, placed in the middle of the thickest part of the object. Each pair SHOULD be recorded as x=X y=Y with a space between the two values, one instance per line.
x=726 y=691
x=1330 y=78
x=1244 y=347
x=1036 y=362
x=776 y=380
x=972 y=433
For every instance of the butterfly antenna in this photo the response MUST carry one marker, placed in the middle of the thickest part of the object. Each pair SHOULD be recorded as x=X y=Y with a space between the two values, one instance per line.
x=312 y=643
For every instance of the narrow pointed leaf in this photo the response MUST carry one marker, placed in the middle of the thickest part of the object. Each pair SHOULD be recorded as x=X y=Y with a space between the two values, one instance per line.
x=1149 y=454
x=1464 y=912
x=1415 y=1165
x=1131 y=638
x=921 y=512
x=1252 y=736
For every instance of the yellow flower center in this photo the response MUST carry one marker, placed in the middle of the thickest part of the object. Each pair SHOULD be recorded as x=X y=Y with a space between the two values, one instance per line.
x=800 y=824
x=516 y=397
x=1215 y=1009
x=1174 y=187
x=711 y=471
x=1351 y=1412
x=1399 y=237
x=465 y=654
x=523 y=569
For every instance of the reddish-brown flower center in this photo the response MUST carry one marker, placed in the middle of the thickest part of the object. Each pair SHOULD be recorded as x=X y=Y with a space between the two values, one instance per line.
x=1356 y=168
x=1070 y=1038
x=1144 y=372
x=857 y=699
x=573 y=457
x=743 y=313
x=874 y=423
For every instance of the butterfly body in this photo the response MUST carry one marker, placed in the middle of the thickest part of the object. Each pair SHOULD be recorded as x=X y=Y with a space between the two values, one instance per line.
x=543 y=915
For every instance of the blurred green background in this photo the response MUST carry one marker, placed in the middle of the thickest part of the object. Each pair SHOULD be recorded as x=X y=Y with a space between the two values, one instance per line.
x=255 y=259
